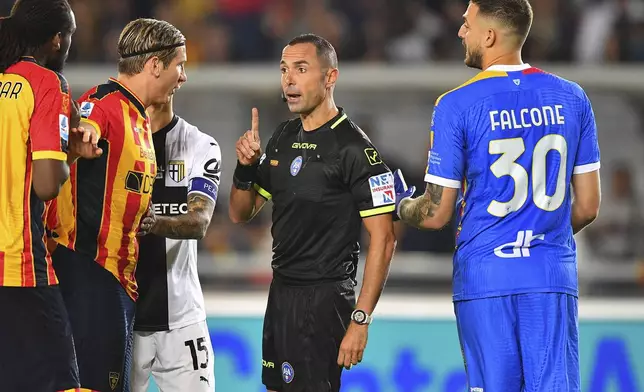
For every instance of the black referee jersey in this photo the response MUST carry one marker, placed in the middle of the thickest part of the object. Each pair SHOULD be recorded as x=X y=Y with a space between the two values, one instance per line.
x=322 y=183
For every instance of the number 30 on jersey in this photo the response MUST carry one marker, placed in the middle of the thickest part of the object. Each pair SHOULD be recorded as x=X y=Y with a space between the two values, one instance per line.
x=506 y=165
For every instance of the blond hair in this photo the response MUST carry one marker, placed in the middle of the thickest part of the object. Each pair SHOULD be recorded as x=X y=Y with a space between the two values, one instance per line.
x=144 y=38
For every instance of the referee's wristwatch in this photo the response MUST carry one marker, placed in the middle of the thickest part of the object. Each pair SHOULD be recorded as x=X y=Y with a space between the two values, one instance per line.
x=361 y=317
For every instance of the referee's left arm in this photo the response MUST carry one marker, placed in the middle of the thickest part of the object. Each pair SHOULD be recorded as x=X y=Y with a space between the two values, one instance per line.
x=381 y=249
x=372 y=187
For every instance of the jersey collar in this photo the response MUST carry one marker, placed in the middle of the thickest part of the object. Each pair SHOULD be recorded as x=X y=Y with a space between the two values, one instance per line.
x=509 y=68
x=331 y=124
x=130 y=96
x=167 y=128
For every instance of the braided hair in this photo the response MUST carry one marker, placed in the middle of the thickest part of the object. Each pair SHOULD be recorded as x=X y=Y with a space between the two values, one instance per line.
x=31 y=24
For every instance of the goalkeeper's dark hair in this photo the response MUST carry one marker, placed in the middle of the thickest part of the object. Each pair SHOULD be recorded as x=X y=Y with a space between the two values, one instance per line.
x=29 y=26
x=516 y=15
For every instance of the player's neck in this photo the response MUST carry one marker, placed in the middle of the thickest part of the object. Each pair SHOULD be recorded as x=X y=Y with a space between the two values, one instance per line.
x=138 y=86
x=504 y=59
x=38 y=55
x=319 y=116
x=160 y=117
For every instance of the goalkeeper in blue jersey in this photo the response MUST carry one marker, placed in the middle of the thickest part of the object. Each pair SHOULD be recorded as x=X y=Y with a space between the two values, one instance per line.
x=517 y=149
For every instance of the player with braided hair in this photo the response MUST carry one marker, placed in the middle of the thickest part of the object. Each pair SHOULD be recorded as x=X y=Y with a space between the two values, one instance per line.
x=39 y=138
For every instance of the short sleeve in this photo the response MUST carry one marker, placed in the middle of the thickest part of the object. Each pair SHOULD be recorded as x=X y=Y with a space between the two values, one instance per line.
x=49 y=127
x=92 y=113
x=446 y=158
x=587 y=158
x=263 y=181
x=369 y=179
x=205 y=173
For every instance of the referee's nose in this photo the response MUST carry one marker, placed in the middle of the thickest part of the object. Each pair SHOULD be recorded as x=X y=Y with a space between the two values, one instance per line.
x=288 y=80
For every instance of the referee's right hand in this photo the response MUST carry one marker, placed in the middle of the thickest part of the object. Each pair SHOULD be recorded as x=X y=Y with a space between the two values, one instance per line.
x=249 y=145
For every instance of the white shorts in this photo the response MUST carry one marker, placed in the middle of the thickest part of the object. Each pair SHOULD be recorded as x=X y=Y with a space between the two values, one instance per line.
x=180 y=360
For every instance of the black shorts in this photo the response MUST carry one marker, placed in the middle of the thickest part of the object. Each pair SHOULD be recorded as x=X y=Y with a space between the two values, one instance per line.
x=303 y=329
x=102 y=317
x=36 y=345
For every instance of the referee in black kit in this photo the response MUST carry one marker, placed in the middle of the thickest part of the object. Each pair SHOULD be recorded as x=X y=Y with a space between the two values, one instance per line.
x=325 y=178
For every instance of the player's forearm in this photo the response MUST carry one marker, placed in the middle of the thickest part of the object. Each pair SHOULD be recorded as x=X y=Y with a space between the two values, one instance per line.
x=424 y=212
x=71 y=158
x=242 y=205
x=190 y=226
x=381 y=250
x=182 y=227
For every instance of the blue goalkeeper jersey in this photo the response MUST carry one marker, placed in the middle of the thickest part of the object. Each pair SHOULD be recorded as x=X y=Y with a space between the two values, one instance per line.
x=511 y=139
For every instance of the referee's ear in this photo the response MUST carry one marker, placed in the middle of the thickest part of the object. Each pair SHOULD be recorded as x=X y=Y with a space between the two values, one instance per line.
x=331 y=77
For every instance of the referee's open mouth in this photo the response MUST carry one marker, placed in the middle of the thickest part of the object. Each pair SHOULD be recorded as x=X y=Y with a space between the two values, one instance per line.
x=292 y=97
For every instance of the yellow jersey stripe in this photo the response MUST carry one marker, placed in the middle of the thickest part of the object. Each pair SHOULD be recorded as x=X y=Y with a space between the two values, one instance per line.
x=263 y=192
x=377 y=211
x=57 y=155
x=480 y=76
x=94 y=124
x=335 y=124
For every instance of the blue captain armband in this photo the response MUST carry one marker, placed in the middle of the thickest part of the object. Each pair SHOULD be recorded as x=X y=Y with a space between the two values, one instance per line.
x=203 y=186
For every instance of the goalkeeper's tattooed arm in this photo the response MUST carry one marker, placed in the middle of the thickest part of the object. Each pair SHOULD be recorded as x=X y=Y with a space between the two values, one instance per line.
x=431 y=211
x=192 y=225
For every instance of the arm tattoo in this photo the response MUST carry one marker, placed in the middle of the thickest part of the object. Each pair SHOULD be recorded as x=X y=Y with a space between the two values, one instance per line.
x=192 y=225
x=415 y=211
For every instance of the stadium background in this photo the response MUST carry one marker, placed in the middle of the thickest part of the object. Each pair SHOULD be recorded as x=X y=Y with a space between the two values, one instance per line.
x=396 y=57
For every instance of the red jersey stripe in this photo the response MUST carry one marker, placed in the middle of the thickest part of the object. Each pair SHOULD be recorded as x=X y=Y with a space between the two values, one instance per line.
x=28 y=279
x=1 y=268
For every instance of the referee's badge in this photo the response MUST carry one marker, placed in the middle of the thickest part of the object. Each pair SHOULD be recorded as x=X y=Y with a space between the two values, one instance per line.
x=288 y=374
x=296 y=165
x=176 y=170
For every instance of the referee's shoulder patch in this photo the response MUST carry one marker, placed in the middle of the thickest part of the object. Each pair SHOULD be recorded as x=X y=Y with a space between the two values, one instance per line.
x=372 y=156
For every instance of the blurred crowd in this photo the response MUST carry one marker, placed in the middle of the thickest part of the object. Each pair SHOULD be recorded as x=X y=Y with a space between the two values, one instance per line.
x=393 y=32
x=397 y=31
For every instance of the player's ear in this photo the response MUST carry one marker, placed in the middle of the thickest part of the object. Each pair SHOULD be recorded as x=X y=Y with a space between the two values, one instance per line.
x=331 y=77
x=490 y=38
x=56 y=41
x=155 y=66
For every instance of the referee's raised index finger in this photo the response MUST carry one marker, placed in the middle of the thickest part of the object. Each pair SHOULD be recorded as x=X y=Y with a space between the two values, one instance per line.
x=254 y=125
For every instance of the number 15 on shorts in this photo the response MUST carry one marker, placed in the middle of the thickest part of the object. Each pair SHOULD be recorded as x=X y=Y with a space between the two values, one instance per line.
x=196 y=348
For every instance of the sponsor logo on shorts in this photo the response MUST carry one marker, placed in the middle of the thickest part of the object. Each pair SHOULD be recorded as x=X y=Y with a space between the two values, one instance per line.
x=114 y=379
x=288 y=374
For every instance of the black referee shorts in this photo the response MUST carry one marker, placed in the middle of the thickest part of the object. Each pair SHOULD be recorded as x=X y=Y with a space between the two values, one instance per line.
x=36 y=345
x=102 y=318
x=303 y=329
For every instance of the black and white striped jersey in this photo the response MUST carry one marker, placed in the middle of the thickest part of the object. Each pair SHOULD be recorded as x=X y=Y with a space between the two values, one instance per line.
x=170 y=293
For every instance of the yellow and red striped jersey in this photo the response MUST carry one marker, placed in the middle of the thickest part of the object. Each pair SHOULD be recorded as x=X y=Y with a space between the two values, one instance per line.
x=34 y=124
x=99 y=210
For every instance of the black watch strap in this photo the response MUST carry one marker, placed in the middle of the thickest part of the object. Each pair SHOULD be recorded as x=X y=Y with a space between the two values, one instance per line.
x=242 y=185
x=245 y=176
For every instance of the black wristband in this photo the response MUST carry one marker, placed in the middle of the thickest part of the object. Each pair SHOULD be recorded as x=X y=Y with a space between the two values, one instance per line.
x=245 y=173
